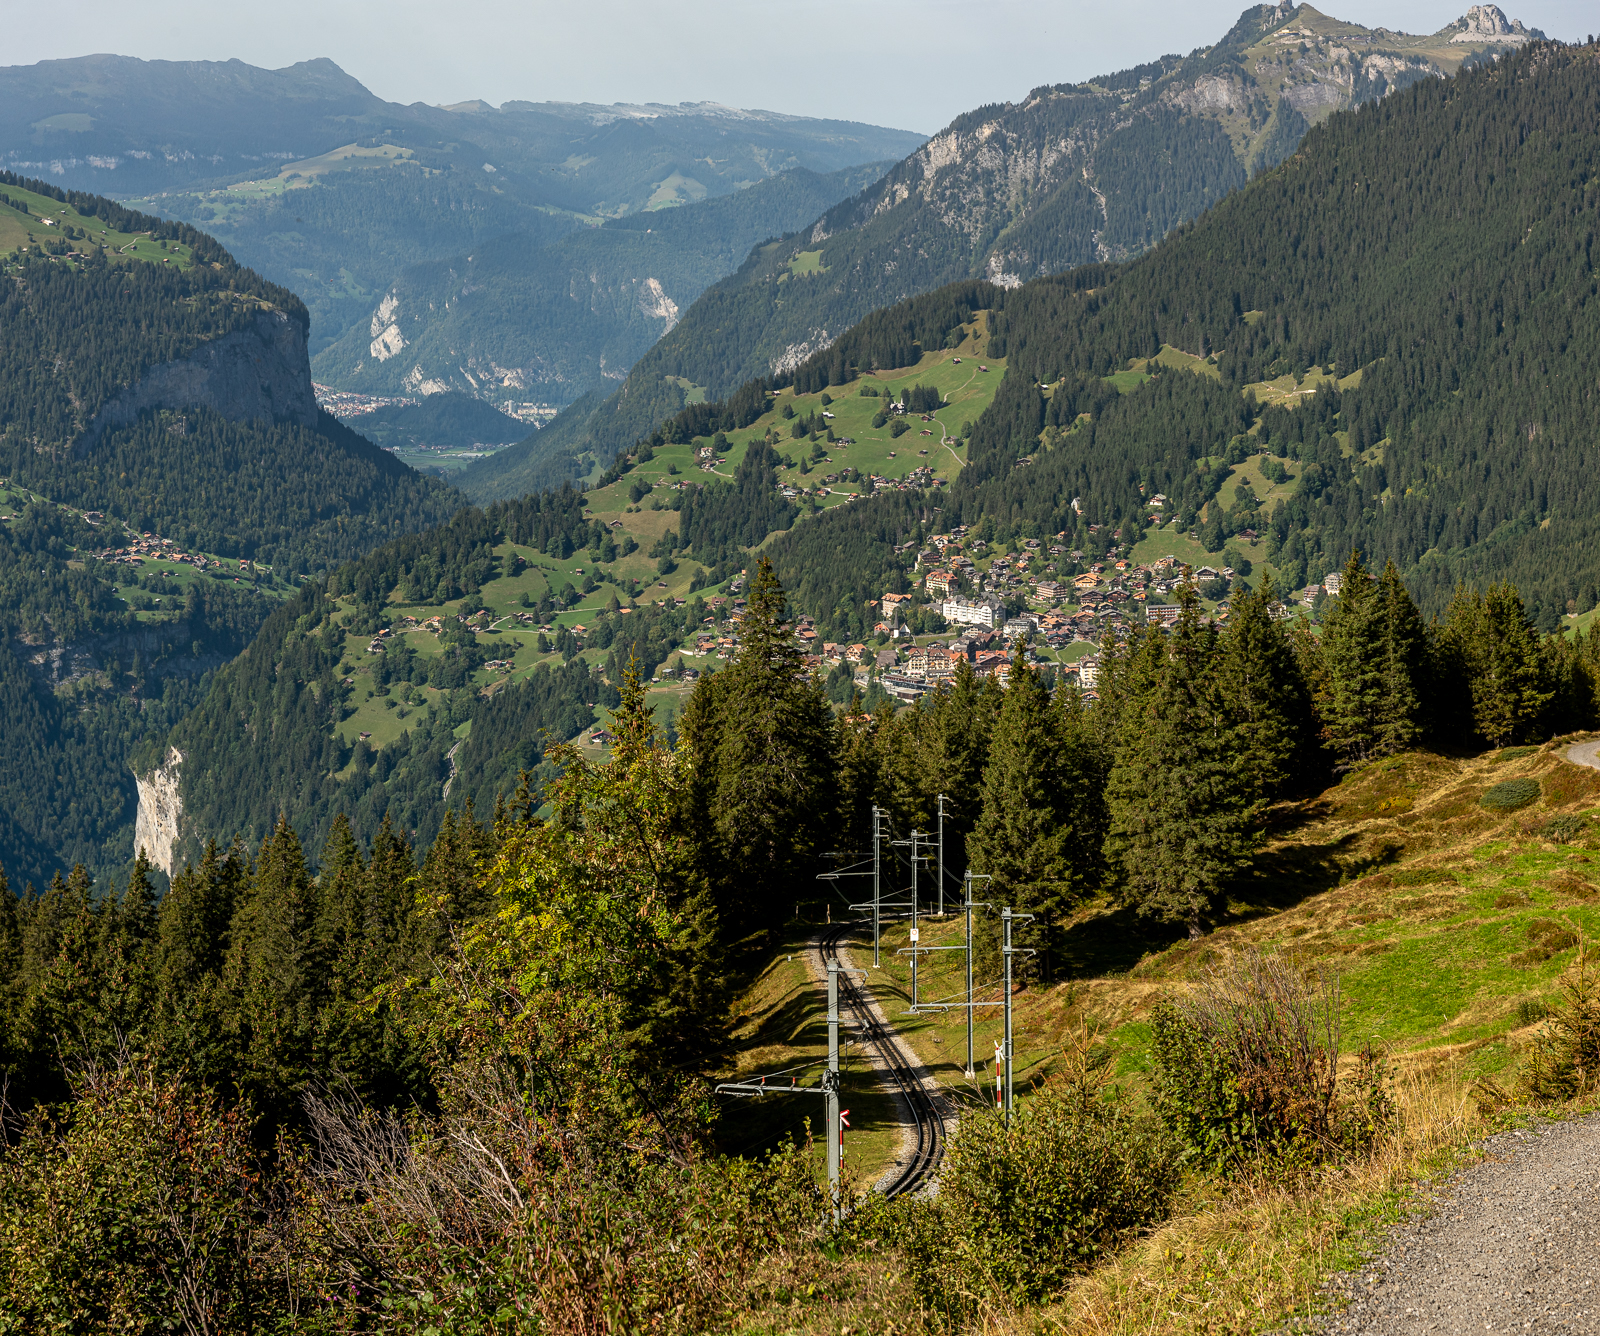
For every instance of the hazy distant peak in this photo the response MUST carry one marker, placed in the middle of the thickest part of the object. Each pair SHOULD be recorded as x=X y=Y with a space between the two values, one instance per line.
x=598 y=114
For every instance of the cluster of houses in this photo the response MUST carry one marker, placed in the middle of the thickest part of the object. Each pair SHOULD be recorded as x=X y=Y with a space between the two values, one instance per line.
x=153 y=547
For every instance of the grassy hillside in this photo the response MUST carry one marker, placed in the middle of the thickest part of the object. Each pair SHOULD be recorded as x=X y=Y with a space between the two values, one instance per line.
x=1449 y=928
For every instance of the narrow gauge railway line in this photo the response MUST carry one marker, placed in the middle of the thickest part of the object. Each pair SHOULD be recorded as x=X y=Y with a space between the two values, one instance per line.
x=923 y=1162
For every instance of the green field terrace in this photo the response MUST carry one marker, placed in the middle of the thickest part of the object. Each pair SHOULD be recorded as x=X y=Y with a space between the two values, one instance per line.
x=49 y=227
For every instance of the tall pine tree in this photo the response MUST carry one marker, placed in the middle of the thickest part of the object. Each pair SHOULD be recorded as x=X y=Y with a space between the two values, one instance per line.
x=1183 y=810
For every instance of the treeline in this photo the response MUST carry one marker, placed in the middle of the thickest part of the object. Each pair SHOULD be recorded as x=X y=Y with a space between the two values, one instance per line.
x=297 y=498
x=234 y=1060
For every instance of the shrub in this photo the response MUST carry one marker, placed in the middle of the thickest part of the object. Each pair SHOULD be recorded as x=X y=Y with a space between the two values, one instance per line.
x=1530 y=1011
x=131 y=1209
x=1023 y=1208
x=1510 y=794
x=1566 y=828
x=1513 y=754
x=1247 y=1069
x=1546 y=938
x=899 y=427
x=1566 y=1054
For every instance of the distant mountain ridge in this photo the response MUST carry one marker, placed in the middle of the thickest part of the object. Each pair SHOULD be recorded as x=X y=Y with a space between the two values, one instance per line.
x=357 y=203
x=122 y=125
x=1071 y=175
x=519 y=319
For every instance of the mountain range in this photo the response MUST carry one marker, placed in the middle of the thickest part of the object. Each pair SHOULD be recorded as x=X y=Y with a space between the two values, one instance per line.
x=1069 y=175
x=358 y=203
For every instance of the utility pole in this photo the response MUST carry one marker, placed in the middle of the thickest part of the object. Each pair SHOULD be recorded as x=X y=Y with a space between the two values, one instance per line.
x=915 y=932
x=830 y=1086
x=941 y=855
x=967 y=880
x=877 y=888
x=829 y=1090
x=1007 y=918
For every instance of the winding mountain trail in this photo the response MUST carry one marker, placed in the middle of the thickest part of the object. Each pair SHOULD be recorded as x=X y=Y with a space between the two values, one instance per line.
x=1511 y=1245
x=1585 y=753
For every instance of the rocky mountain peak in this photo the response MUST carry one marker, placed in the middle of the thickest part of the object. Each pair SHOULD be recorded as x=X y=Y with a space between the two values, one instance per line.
x=1488 y=23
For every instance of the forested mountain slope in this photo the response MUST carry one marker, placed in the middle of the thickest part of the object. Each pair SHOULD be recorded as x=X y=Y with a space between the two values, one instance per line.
x=148 y=385
x=1404 y=309
x=519 y=318
x=411 y=682
x=1072 y=174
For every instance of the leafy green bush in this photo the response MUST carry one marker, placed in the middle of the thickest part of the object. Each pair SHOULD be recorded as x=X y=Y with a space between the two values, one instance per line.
x=1247 y=1069
x=1023 y=1208
x=1510 y=794
x=132 y=1209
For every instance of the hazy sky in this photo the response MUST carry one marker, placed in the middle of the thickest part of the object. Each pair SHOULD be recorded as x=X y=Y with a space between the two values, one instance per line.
x=890 y=62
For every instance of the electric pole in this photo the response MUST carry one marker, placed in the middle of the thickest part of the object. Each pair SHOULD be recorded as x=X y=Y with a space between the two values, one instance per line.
x=829 y=1090
x=830 y=1086
x=941 y=855
x=915 y=934
x=877 y=888
x=1007 y=918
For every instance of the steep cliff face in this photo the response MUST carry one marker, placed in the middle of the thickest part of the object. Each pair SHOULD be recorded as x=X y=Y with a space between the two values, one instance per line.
x=259 y=373
x=155 y=828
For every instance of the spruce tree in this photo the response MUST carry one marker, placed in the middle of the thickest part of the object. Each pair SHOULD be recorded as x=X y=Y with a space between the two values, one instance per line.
x=1024 y=837
x=1354 y=656
x=1259 y=678
x=1500 y=659
x=1405 y=650
x=389 y=898
x=761 y=741
x=275 y=976
x=1182 y=809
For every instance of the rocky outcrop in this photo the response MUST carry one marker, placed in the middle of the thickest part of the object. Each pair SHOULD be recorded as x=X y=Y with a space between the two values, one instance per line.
x=1488 y=23
x=259 y=373
x=155 y=829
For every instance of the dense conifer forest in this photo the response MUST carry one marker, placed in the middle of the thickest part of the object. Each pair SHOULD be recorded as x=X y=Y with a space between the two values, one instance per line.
x=1421 y=268
x=321 y=1058
x=74 y=334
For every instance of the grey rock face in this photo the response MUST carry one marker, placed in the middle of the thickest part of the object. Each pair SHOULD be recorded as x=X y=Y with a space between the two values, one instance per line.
x=260 y=373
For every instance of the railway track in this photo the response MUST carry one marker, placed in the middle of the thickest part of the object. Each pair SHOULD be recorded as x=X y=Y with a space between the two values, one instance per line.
x=923 y=1162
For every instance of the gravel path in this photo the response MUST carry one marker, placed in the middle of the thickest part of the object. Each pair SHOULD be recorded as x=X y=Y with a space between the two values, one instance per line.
x=1512 y=1245
x=1585 y=753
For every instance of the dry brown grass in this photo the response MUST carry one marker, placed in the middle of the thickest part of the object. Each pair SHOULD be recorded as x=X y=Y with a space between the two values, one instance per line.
x=1242 y=1258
